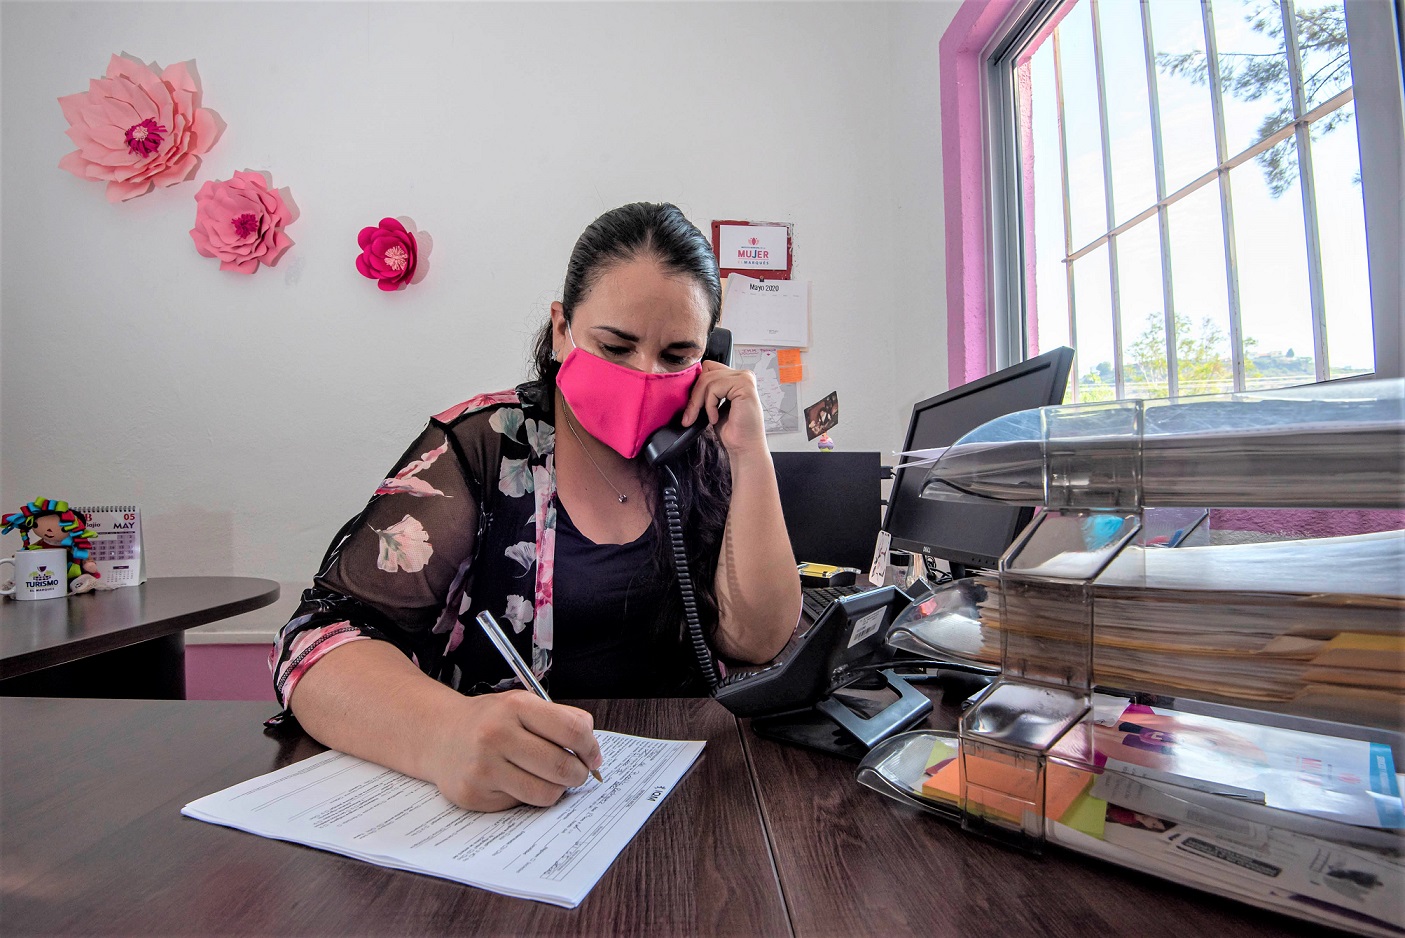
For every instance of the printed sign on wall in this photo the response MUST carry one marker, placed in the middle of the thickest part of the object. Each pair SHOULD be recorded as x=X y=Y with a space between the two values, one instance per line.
x=755 y=248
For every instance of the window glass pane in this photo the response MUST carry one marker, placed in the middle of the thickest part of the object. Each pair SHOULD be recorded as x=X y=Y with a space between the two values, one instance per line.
x=1128 y=110
x=1064 y=197
x=1322 y=46
x=1336 y=171
x=1275 y=306
x=1253 y=66
x=1092 y=303
x=1048 y=294
x=1143 y=311
x=1082 y=127
x=1203 y=363
x=1187 y=124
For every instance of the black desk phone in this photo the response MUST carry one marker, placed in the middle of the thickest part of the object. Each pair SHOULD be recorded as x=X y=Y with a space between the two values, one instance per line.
x=848 y=636
x=801 y=698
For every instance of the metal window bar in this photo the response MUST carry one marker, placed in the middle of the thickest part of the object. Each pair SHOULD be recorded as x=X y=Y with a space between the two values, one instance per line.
x=1239 y=159
x=1008 y=335
x=1212 y=72
x=1374 y=35
x=1118 y=368
x=1303 y=139
x=1163 y=214
x=1011 y=234
x=1068 y=225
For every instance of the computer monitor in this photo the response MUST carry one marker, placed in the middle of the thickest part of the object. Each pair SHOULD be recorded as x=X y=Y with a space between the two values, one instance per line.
x=832 y=505
x=966 y=534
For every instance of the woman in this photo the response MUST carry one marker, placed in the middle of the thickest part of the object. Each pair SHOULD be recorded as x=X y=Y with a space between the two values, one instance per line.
x=560 y=535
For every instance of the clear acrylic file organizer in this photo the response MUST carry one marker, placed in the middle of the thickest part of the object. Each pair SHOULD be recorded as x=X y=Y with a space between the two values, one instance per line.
x=1225 y=716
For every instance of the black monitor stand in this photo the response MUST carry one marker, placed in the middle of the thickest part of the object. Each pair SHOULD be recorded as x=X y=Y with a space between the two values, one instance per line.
x=847 y=725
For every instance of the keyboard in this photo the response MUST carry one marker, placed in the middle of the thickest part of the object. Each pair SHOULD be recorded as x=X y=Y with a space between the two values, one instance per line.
x=815 y=600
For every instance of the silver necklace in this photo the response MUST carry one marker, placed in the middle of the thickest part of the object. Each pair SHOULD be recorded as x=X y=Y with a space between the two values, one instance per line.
x=571 y=425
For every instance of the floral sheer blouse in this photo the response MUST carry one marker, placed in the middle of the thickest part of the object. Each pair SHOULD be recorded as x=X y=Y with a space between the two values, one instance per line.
x=466 y=521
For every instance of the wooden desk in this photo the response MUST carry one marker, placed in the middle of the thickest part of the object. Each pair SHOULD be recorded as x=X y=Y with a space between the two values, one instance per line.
x=127 y=642
x=90 y=795
x=90 y=799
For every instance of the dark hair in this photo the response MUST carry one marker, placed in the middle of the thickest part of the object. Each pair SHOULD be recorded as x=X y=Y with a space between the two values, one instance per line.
x=656 y=230
x=660 y=232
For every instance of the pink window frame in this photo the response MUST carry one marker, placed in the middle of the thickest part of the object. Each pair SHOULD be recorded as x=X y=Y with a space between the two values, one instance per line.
x=961 y=54
x=964 y=166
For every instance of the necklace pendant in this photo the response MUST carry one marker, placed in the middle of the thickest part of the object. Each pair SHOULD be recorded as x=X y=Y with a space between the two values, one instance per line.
x=623 y=499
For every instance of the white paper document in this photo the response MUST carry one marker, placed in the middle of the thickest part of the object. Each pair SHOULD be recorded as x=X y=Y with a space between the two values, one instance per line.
x=353 y=807
x=780 y=403
x=767 y=312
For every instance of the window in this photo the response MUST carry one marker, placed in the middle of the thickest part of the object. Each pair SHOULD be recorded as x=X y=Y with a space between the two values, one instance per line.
x=1180 y=193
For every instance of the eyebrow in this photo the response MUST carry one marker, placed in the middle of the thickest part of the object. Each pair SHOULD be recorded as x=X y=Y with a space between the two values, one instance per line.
x=629 y=337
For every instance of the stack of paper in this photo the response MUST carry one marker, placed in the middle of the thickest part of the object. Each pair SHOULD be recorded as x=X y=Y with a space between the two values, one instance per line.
x=1313 y=627
x=350 y=806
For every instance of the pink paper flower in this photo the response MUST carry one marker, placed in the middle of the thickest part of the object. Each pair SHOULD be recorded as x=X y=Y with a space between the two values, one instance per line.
x=240 y=221
x=137 y=129
x=388 y=254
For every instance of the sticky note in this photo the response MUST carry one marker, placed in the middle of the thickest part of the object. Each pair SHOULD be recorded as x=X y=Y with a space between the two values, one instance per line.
x=1087 y=814
x=1006 y=791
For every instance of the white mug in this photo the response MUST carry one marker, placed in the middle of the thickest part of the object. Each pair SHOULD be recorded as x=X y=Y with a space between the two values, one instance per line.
x=39 y=574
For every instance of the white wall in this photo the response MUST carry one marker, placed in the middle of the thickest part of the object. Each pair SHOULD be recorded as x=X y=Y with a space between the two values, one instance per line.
x=249 y=416
x=919 y=280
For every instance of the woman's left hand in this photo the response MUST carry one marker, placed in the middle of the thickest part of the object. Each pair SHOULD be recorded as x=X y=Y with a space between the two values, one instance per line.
x=742 y=427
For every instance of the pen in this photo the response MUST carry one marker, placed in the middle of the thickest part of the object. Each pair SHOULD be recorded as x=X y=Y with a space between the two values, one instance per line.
x=519 y=667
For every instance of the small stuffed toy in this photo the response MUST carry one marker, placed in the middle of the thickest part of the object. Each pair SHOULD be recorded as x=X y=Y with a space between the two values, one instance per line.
x=47 y=524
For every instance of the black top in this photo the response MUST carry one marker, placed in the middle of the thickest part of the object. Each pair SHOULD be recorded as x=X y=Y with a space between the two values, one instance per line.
x=608 y=600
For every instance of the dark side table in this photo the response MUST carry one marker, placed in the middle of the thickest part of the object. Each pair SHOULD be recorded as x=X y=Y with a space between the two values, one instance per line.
x=127 y=642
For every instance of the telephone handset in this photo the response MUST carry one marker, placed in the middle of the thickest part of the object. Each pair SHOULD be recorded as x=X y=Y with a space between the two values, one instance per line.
x=667 y=442
x=662 y=447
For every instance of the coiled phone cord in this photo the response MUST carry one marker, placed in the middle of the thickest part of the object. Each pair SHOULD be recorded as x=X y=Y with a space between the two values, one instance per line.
x=685 y=579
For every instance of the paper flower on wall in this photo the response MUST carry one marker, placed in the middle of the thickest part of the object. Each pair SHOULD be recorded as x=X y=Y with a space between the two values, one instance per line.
x=240 y=222
x=137 y=129
x=389 y=254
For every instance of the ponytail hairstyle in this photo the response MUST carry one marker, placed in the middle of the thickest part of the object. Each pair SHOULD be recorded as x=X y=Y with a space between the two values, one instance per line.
x=659 y=232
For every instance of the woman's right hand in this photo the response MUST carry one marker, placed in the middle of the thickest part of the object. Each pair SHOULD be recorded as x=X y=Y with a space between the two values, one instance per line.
x=365 y=698
x=496 y=751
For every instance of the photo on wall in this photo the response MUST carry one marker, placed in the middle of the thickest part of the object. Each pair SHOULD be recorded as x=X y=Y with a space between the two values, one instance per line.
x=822 y=416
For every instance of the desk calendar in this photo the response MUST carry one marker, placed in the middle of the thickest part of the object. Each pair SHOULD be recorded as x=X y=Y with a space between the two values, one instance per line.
x=116 y=543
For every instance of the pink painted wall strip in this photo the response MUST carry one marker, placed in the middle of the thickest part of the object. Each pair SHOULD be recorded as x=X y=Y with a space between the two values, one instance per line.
x=228 y=672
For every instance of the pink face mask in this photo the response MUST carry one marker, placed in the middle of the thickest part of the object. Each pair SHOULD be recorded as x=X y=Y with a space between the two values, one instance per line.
x=619 y=406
